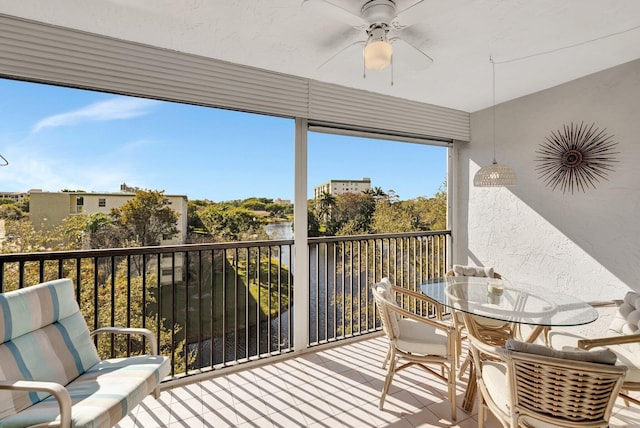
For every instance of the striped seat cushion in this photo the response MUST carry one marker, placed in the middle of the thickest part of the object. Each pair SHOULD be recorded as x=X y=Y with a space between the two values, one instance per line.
x=31 y=308
x=101 y=396
x=44 y=338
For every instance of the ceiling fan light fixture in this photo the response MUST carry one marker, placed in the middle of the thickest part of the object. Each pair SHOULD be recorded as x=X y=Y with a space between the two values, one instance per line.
x=378 y=51
x=377 y=55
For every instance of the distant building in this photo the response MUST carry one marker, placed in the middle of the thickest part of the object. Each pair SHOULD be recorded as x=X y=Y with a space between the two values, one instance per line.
x=47 y=210
x=338 y=187
x=283 y=201
x=129 y=189
x=16 y=196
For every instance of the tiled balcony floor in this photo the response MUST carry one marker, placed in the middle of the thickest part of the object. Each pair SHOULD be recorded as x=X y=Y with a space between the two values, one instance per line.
x=338 y=387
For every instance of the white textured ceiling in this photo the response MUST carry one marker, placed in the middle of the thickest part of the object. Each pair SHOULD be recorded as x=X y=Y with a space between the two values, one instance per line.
x=549 y=41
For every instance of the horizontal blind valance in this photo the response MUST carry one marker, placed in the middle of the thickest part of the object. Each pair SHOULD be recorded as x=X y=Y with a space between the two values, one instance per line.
x=49 y=54
x=333 y=103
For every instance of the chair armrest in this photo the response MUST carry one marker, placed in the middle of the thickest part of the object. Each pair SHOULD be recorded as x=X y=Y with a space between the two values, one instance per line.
x=129 y=331
x=486 y=348
x=605 y=303
x=55 y=389
x=448 y=328
x=606 y=341
x=422 y=297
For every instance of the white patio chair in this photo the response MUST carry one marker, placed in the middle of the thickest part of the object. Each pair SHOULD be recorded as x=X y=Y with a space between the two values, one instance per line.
x=415 y=340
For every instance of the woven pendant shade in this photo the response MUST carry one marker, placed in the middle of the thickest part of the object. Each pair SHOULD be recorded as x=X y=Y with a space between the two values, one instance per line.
x=494 y=175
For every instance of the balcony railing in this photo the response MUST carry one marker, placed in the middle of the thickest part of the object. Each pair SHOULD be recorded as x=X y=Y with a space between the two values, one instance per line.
x=342 y=268
x=216 y=305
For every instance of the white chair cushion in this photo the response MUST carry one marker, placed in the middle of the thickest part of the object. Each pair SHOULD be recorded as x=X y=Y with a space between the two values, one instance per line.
x=494 y=376
x=420 y=338
x=627 y=316
x=459 y=270
x=628 y=355
x=601 y=355
x=385 y=288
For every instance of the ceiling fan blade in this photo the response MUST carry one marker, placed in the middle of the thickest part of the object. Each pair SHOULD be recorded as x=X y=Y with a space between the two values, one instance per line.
x=338 y=13
x=353 y=50
x=408 y=16
x=336 y=39
x=407 y=7
x=409 y=56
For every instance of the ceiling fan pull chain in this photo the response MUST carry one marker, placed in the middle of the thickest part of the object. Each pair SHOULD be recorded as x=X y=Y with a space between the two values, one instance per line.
x=364 y=59
x=391 y=69
x=364 y=69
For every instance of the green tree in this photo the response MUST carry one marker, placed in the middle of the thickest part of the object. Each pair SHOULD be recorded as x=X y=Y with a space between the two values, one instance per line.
x=21 y=237
x=11 y=211
x=104 y=232
x=146 y=219
x=394 y=218
x=194 y=224
x=378 y=193
x=313 y=222
x=352 y=214
x=324 y=207
x=232 y=224
x=256 y=204
x=71 y=234
x=23 y=204
x=432 y=212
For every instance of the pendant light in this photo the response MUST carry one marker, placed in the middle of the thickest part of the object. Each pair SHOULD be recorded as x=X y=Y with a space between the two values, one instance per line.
x=494 y=175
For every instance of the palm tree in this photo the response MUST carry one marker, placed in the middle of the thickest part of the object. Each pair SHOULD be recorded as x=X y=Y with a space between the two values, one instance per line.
x=326 y=202
x=378 y=193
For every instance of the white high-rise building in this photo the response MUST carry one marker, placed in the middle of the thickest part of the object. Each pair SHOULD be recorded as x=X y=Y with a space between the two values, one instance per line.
x=338 y=187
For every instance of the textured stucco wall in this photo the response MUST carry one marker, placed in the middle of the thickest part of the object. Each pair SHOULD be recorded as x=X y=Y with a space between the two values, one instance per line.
x=587 y=244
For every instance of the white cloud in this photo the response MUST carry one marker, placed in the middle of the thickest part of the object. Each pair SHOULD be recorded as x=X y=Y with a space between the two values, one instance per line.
x=114 y=108
x=34 y=169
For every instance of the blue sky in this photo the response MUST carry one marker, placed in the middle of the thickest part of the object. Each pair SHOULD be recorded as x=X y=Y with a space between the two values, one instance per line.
x=60 y=138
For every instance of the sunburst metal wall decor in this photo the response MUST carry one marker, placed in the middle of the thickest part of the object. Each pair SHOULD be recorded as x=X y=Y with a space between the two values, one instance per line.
x=576 y=157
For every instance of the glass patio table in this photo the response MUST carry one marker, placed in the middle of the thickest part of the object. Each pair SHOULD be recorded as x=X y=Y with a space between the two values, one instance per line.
x=512 y=303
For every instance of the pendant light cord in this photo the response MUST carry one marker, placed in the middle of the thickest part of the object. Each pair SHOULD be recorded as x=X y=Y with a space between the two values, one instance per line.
x=493 y=110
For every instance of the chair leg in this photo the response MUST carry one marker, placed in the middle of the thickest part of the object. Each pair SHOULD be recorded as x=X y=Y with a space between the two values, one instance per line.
x=464 y=366
x=386 y=358
x=387 y=382
x=623 y=393
x=482 y=412
x=452 y=390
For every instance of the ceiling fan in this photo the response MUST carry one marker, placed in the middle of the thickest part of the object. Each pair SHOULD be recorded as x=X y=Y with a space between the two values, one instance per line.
x=379 y=33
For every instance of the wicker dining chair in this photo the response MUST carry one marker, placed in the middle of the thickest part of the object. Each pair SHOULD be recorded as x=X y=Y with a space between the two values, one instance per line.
x=531 y=385
x=415 y=340
x=622 y=337
x=475 y=271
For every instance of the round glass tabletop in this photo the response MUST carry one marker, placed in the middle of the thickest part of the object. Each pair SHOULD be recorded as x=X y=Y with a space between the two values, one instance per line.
x=509 y=301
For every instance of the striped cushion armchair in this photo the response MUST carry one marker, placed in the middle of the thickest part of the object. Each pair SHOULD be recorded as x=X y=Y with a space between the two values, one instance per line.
x=50 y=372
